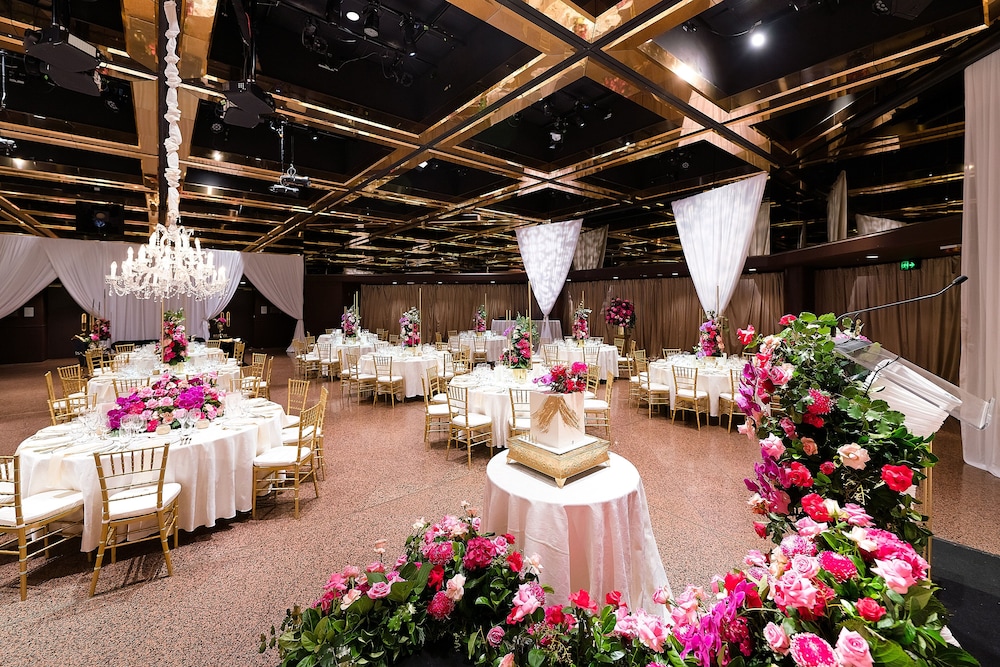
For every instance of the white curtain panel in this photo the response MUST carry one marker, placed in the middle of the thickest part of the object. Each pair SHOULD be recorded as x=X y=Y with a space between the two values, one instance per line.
x=869 y=224
x=547 y=252
x=715 y=229
x=760 y=242
x=836 y=210
x=25 y=269
x=197 y=312
x=81 y=268
x=590 y=249
x=980 y=367
x=279 y=278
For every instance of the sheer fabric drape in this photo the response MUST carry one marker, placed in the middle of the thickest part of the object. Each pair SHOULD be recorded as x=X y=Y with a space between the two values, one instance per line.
x=590 y=249
x=25 y=268
x=715 y=229
x=197 y=313
x=980 y=247
x=760 y=242
x=926 y=333
x=279 y=278
x=836 y=210
x=868 y=224
x=547 y=252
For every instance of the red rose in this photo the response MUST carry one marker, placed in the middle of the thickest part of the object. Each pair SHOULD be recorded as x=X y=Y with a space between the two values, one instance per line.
x=799 y=475
x=614 y=597
x=583 y=600
x=435 y=577
x=814 y=506
x=515 y=561
x=897 y=478
x=870 y=610
x=732 y=579
x=827 y=467
x=509 y=538
x=760 y=528
x=786 y=320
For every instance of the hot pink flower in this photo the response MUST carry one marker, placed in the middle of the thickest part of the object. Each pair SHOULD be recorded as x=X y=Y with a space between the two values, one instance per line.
x=827 y=467
x=787 y=319
x=799 y=475
x=869 y=609
x=809 y=650
x=440 y=606
x=809 y=528
x=479 y=553
x=852 y=649
x=583 y=600
x=898 y=574
x=897 y=478
x=660 y=595
x=820 y=402
x=788 y=426
x=840 y=567
x=815 y=507
x=614 y=598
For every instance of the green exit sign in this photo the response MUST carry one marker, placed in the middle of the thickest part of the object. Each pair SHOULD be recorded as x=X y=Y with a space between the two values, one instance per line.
x=909 y=264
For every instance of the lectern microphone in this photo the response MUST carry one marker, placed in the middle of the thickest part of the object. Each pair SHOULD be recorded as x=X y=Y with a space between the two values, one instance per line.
x=957 y=281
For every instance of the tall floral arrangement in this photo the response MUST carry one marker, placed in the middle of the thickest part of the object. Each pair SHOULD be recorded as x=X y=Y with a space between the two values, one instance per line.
x=100 y=333
x=710 y=343
x=519 y=353
x=174 y=343
x=581 y=322
x=620 y=313
x=823 y=437
x=565 y=380
x=479 y=319
x=409 y=328
x=350 y=321
x=168 y=399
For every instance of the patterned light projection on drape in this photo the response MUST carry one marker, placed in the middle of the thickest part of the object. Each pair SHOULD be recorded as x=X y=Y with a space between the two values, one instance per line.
x=547 y=252
x=715 y=229
x=869 y=224
x=590 y=249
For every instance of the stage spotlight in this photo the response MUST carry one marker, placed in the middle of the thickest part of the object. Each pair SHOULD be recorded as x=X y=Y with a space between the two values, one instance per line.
x=409 y=34
x=757 y=39
x=881 y=7
x=371 y=21
x=352 y=16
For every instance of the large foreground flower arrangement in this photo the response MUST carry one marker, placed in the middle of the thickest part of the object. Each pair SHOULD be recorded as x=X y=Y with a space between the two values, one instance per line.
x=174 y=343
x=169 y=399
x=518 y=355
x=350 y=322
x=842 y=587
x=409 y=328
x=620 y=313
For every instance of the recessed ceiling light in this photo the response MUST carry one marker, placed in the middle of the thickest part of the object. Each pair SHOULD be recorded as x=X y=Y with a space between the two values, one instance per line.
x=871 y=256
x=216 y=155
x=757 y=39
x=423 y=165
x=752 y=270
x=675 y=274
x=352 y=16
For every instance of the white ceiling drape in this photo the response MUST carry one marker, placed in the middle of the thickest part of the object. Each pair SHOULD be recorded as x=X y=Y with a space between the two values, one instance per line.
x=868 y=224
x=715 y=229
x=547 y=252
x=25 y=270
x=279 y=278
x=760 y=242
x=590 y=249
x=980 y=365
x=836 y=210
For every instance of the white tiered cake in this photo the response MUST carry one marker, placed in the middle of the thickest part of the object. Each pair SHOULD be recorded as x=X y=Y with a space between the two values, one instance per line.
x=557 y=421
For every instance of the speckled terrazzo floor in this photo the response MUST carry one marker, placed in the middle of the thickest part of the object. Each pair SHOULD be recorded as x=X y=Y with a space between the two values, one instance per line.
x=232 y=582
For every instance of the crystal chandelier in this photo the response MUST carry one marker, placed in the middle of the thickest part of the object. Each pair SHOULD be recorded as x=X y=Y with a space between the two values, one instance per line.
x=169 y=264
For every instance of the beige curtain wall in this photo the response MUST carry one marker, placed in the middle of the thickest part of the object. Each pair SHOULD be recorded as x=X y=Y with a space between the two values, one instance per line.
x=926 y=333
x=445 y=307
x=668 y=312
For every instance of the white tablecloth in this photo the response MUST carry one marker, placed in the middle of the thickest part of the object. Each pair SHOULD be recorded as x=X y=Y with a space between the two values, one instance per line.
x=215 y=470
x=713 y=380
x=491 y=397
x=411 y=368
x=594 y=533
x=495 y=346
x=103 y=386
x=607 y=357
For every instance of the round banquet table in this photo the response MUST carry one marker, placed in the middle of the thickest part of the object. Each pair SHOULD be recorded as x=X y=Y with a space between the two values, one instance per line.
x=714 y=380
x=103 y=385
x=491 y=397
x=607 y=357
x=594 y=533
x=494 y=346
x=215 y=470
x=412 y=369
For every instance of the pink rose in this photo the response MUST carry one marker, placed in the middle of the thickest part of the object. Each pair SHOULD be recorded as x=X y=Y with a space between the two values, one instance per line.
x=827 y=467
x=805 y=566
x=793 y=590
x=898 y=574
x=856 y=515
x=651 y=630
x=852 y=650
x=379 y=590
x=660 y=595
x=809 y=447
x=853 y=456
x=809 y=528
x=780 y=375
x=507 y=660
x=583 y=600
x=525 y=603
x=772 y=446
x=776 y=638
x=349 y=599
x=495 y=635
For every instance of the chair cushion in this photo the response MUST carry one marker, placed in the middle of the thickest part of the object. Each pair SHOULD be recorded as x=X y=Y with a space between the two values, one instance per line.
x=473 y=421
x=439 y=398
x=290 y=421
x=726 y=396
x=390 y=378
x=687 y=393
x=140 y=501
x=595 y=404
x=364 y=377
x=278 y=456
x=291 y=436
x=76 y=394
x=589 y=396
x=520 y=423
x=42 y=505
x=438 y=409
x=656 y=386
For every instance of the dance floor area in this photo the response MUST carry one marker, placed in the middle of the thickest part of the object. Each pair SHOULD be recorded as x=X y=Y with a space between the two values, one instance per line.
x=235 y=581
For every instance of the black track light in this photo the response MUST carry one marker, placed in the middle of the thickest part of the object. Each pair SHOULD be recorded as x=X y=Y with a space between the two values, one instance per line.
x=371 y=21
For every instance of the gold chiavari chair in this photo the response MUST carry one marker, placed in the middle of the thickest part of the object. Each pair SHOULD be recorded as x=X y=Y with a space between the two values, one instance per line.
x=57 y=406
x=328 y=332
x=120 y=361
x=653 y=393
x=287 y=467
x=597 y=411
x=329 y=365
x=264 y=387
x=239 y=348
x=593 y=381
x=466 y=426
x=94 y=359
x=72 y=380
x=29 y=521
x=520 y=413
x=249 y=381
x=124 y=348
x=687 y=396
x=137 y=503
x=310 y=341
x=639 y=367
x=213 y=344
x=298 y=393
x=386 y=383
x=436 y=415
x=381 y=334
x=620 y=346
x=452 y=333
x=436 y=385
x=441 y=346
x=670 y=352
x=550 y=354
x=393 y=339
x=324 y=395
x=749 y=357
x=461 y=363
x=363 y=383
x=128 y=386
x=258 y=358
x=479 y=350
x=727 y=401
x=437 y=337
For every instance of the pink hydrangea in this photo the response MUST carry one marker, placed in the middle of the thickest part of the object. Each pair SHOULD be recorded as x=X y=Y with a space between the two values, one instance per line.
x=840 y=567
x=809 y=650
x=479 y=553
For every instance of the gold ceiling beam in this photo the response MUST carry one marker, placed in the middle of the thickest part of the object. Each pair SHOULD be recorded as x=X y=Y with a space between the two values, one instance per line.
x=11 y=211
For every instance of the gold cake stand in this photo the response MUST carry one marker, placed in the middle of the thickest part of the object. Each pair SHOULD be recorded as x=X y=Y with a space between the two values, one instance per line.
x=561 y=466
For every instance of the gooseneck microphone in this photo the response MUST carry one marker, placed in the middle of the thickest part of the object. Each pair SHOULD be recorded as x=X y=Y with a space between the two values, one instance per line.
x=957 y=281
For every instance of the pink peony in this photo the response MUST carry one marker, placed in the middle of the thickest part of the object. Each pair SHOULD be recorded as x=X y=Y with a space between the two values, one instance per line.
x=809 y=650
x=898 y=574
x=776 y=638
x=852 y=649
x=793 y=590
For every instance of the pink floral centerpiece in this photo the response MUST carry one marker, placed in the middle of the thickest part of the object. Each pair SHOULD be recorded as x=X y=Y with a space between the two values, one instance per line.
x=350 y=322
x=581 y=323
x=620 y=313
x=519 y=353
x=100 y=331
x=169 y=398
x=562 y=380
x=479 y=319
x=710 y=343
x=409 y=328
